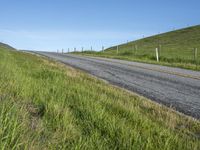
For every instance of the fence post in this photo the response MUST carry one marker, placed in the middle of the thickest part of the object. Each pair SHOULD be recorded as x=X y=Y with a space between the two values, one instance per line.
x=117 y=49
x=102 y=48
x=196 y=57
x=135 y=49
x=157 y=55
x=195 y=53
x=160 y=49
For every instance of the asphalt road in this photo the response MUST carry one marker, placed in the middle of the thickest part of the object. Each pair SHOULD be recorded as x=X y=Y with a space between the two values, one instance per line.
x=177 y=88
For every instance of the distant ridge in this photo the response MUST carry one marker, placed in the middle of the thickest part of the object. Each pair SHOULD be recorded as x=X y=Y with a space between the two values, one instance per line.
x=6 y=46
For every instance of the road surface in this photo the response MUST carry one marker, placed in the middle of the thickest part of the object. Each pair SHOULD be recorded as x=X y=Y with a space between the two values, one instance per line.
x=177 y=88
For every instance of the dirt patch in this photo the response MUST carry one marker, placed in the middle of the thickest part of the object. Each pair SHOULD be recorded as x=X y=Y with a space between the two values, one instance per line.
x=36 y=112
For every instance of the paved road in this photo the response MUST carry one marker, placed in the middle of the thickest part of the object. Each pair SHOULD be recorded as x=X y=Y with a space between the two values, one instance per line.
x=173 y=87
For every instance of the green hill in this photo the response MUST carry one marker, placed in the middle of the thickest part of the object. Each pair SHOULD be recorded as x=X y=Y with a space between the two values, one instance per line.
x=176 y=48
x=179 y=40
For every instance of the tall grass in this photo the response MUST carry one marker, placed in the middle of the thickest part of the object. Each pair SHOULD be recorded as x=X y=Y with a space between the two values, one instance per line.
x=46 y=105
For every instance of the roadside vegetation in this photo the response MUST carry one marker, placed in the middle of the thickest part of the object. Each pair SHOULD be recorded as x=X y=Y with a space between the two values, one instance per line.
x=47 y=105
x=180 y=48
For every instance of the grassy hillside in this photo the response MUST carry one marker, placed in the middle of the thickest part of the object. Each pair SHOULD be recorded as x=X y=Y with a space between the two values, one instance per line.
x=46 y=105
x=176 y=48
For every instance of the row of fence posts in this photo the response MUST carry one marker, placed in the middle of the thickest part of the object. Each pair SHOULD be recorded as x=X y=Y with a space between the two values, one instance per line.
x=135 y=48
x=157 y=52
x=195 y=54
x=82 y=49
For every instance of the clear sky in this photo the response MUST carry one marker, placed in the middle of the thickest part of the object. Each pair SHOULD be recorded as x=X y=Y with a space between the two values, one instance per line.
x=56 y=24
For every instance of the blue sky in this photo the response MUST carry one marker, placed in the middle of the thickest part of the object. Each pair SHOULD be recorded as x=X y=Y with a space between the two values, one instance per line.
x=55 y=24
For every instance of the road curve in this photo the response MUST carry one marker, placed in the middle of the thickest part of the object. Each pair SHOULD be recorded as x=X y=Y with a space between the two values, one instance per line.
x=174 y=87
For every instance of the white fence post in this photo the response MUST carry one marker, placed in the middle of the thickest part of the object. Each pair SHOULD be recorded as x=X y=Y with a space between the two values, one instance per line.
x=133 y=49
x=195 y=53
x=157 y=55
x=160 y=49
x=136 y=49
x=102 y=48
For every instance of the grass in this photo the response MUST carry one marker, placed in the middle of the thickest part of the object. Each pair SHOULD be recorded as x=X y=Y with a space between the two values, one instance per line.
x=47 y=105
x=176 y=48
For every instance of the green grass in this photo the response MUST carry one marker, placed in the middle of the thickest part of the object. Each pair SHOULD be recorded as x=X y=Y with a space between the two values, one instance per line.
x=46 y=105
x=176 y=48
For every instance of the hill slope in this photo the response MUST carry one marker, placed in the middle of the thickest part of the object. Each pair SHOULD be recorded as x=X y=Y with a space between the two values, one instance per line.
x=175 y=40
x=180 y=48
